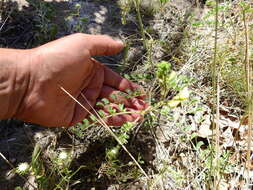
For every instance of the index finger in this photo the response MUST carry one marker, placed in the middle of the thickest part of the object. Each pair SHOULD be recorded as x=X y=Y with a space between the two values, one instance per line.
x=114 y=80
x=102 y=45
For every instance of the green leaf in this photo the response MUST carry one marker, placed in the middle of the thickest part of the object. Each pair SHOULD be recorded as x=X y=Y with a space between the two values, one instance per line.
x=199 y=144
x=121 y=108
x=101 y=113
x=86 y=123
x=99 y=104
x=127 y=126
x=84 y=19
x=111 y=110
x=113 y=96
x=93 y=118
x=105 y=101
x=113 y=153
x=123 y=138
x=194 y=135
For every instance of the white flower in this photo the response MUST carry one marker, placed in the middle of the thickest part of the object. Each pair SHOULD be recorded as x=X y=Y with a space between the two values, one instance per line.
x=23 y=167
x=78 y=6
x=63 y=156
x=114 y=151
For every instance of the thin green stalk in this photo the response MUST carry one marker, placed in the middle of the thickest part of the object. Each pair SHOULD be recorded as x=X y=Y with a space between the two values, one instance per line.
x=137 y=4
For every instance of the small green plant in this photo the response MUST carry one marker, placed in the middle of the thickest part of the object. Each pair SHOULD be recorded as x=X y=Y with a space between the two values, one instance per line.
x=164 y=1
x=76 y=19
x=169 y=80
x=123 y=135
x=44 y=29
x=57 y=175
x=125 y=6
x=113 y=161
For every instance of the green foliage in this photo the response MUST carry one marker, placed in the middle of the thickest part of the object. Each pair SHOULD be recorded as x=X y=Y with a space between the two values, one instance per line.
x=246 y=6
x=76 y=18
x=163 y=69
x=56 y=176
x=123 y=135
x=209 y=18
x=19 y=188
x=169 y=79
x=105 y=101
x=80 y=128
x=125 y=6
x=44 y=29
x=164 y=1
x=113 y=154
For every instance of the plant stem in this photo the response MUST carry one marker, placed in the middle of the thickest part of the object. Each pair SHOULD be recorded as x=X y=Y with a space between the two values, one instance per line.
x=248 y=75
x=137 y=4
x=216 y=95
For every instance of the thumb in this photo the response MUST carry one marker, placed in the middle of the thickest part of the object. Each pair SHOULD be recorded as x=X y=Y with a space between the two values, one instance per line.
x=102 y=45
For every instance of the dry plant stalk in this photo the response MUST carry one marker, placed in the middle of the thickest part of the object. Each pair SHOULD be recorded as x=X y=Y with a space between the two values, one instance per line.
x=248 y=76
x=216 y=96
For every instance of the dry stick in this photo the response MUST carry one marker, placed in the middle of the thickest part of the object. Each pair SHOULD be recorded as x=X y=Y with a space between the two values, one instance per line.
x=248 y=73
x=102 y=122
x=216 y=94
x=11 y=165
x=6 y=19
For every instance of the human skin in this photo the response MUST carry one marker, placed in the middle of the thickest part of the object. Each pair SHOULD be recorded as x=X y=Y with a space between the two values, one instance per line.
x=32 y=82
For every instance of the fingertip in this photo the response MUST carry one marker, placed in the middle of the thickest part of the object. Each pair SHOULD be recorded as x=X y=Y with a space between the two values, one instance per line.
x=120 y=43
x=146 y=105
x=116 y=120
x=104 y=45
x=138 y=104
x=136 y=114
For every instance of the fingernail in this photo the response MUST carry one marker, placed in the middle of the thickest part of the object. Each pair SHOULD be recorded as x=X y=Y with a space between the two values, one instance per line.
x=119 y=41
x=142 y=103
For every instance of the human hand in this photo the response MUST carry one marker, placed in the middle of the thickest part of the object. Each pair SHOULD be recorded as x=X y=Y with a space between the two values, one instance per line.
x=67 y=63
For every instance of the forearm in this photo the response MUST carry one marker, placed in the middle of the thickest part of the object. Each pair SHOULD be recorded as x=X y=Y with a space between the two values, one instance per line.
x=14 y=80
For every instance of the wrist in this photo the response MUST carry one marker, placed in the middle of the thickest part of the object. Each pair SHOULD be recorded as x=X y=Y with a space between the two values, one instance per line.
x=14 y=80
